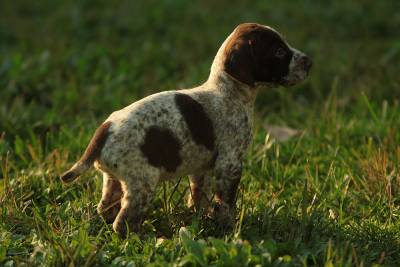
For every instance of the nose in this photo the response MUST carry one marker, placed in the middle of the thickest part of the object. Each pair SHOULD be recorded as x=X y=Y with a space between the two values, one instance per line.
x=307 y=63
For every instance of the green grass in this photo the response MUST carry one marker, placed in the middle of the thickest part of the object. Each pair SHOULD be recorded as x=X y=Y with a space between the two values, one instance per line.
x=329 y=197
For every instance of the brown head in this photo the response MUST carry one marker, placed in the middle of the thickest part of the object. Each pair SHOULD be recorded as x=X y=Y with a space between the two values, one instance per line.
x=257 y=54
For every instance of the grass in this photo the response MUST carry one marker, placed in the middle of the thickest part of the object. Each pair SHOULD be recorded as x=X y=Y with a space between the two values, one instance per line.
x=329 y=197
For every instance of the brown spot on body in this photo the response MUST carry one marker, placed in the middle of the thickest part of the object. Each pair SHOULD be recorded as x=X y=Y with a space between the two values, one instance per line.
x=199 y=123
x=161 y=148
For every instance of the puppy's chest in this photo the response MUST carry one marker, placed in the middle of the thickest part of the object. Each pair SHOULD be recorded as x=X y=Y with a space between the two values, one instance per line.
x=235 y=129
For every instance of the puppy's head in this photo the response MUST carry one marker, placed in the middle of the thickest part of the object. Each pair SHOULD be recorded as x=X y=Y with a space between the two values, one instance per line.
x=256 y=54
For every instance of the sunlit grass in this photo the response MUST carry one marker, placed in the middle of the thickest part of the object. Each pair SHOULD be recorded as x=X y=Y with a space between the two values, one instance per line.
x=327 y=197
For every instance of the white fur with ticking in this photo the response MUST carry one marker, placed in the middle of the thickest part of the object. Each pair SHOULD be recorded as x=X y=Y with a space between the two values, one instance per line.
x=127 y=172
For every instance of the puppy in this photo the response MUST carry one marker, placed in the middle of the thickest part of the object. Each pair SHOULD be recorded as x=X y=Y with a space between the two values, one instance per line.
x=202 y=132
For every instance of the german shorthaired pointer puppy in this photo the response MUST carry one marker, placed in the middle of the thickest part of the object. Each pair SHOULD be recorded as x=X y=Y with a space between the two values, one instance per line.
x=201 y=132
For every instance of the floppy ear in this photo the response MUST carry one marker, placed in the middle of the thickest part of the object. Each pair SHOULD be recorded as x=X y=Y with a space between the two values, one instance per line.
x=239 y=62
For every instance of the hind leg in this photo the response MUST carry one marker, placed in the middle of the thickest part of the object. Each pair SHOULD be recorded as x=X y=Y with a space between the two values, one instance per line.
x=110 y=202
x=200 y=188
x=135 y=202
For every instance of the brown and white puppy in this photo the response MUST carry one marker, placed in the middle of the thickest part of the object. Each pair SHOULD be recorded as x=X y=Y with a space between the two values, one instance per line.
x=201 y=132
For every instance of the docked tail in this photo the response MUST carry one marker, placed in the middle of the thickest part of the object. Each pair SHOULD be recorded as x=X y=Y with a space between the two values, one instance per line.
x=92 y=152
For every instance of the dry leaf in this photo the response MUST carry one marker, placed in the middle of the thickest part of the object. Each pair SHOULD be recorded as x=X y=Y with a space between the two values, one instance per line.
x=281 y=133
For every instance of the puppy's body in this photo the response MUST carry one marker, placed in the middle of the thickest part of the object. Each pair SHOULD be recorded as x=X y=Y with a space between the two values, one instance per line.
x=187 y=139
x=202 y=132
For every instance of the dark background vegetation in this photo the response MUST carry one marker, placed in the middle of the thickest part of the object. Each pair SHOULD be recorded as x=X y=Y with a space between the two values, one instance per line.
x=327 y=197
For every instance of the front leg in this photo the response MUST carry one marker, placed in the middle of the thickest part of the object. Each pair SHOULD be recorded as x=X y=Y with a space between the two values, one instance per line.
x=228 y=175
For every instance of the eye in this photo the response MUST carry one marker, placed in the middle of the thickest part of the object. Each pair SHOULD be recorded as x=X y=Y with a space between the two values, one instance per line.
x=280 y=52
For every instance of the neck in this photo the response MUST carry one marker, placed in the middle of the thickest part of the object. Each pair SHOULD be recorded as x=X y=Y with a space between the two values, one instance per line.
x=228 y=86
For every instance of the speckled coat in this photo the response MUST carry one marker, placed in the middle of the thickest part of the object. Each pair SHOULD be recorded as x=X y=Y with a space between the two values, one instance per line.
x=202 y=132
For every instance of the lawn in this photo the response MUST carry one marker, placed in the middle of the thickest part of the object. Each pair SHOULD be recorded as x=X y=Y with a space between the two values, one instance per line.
x=326 y=197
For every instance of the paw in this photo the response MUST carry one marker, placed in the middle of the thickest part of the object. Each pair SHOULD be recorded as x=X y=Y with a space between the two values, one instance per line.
x=198 y=205
x=190 y=203
x=121 y=228
x=109 y=212
x=125 y=224
x=223 y=214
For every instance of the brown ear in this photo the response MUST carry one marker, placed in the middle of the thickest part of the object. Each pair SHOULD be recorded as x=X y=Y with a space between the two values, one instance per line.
x=239 y=61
